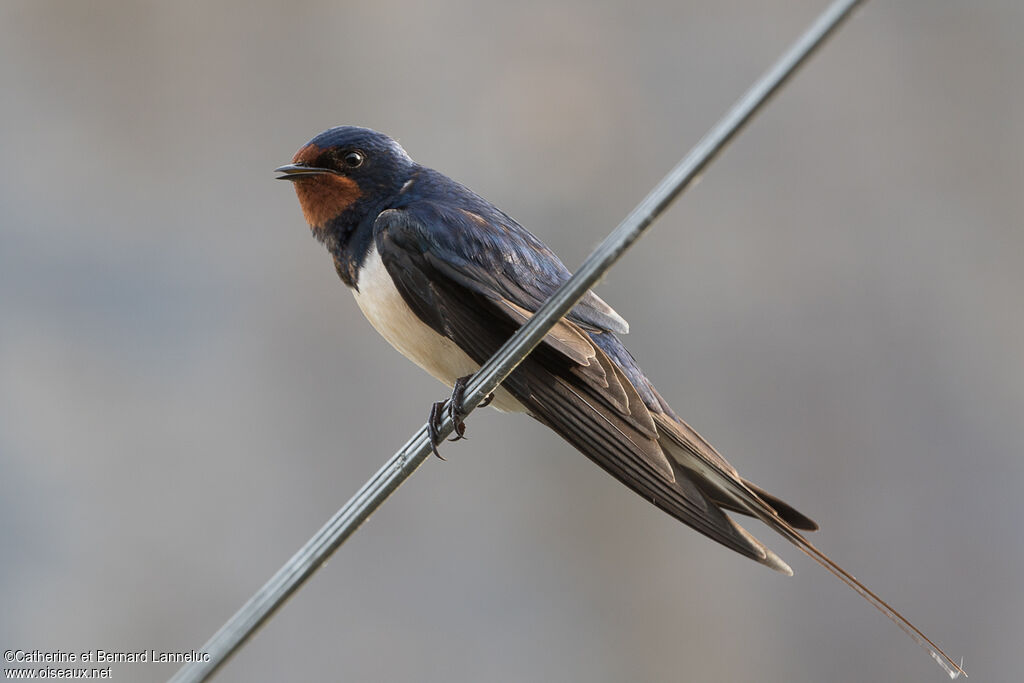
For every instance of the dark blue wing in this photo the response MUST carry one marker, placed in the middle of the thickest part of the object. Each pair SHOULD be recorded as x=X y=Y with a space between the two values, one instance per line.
x=486 y=251
x=570 y=383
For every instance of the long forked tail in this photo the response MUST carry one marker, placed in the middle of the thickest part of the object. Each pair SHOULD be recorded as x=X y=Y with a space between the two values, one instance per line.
x=724 y=485
x=950 y=666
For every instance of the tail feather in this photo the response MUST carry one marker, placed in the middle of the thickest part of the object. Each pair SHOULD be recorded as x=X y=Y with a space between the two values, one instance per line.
x=793 y=536
x=787 y=512
x=720 y=482
x=751 y=499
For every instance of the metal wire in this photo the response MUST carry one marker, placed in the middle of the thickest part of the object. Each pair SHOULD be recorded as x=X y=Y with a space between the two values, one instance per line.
x=233 y=634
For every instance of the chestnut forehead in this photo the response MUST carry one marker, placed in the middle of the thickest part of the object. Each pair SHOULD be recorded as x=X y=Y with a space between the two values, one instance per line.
x=307 y=154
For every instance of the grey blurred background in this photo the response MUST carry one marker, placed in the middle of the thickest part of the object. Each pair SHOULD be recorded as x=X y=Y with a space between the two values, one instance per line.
x=187 y=392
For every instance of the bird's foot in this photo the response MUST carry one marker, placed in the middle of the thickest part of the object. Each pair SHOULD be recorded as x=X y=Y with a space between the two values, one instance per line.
x=434 y=427
x=458 y=396
x=456 y=413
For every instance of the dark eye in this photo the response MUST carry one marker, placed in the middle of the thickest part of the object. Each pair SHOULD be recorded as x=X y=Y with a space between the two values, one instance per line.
x=353 y=159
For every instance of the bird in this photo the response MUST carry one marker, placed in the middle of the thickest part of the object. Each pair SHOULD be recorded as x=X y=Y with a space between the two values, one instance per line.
x=446 y=278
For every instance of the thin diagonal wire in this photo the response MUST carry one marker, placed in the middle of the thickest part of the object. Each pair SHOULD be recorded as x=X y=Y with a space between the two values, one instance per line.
x=318 y=549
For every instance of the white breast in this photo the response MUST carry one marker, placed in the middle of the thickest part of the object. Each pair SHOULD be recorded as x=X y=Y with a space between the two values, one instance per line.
x=387 y=311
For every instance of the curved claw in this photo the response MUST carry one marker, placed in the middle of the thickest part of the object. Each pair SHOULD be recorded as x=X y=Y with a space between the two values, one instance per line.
x=455 y=410
x=434 y=427
x=458 y=395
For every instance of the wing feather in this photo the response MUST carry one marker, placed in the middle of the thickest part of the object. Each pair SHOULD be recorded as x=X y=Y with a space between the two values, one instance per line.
x=568 y=383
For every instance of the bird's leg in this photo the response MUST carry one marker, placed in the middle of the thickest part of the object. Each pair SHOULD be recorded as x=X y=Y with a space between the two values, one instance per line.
x=458 y=395
x=457 y=415
x=434 y=427
x=455 y=410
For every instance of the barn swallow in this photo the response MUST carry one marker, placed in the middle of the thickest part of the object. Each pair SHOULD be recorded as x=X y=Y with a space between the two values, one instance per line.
x=446 y=278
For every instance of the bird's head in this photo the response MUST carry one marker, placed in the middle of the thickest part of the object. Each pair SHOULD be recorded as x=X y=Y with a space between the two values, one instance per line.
x=343 y=174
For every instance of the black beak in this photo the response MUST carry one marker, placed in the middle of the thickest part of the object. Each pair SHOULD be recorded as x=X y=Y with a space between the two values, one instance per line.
x=296 y=171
